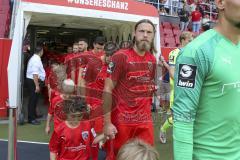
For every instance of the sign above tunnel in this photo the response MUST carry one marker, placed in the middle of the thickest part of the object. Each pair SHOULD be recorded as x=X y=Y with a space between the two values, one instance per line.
x=123 y=6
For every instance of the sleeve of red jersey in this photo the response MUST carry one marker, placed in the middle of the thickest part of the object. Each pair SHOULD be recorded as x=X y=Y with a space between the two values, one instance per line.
x=54 y=143
x=116 y=67
x=51 y=109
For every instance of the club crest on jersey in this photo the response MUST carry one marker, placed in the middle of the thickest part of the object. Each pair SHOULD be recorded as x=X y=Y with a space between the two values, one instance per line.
x=111 y=67
x=186 y=75
x=85 y=135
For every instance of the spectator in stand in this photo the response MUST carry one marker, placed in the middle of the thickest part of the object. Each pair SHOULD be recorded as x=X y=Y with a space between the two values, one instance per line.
x=205 y=19
x=162 y=11
x=181 y=5
x=184 y=20
x=161 y=5
x=196 y=17
x=192 y=7
x=206 y=23
x=166 y=6
x=174 y=4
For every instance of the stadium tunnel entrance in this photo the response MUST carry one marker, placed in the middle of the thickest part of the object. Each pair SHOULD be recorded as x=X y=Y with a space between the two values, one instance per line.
x=57 y=33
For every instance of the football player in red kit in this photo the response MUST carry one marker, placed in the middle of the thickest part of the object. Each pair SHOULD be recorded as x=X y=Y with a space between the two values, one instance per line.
x=79 y=47
x=94 y=83
x=129 y=89
x=98 y=46
x=68 y=57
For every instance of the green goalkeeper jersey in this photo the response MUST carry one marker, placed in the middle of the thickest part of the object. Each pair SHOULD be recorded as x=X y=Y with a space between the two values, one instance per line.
x=206 y=107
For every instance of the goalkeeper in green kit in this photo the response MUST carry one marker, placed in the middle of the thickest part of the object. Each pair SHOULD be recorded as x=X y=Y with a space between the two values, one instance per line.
x=206 y=108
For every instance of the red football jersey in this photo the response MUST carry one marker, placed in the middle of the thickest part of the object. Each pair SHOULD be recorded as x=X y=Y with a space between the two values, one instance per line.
x=69 y=56
x=98 y=83
x=99 y=54
x=83 y=61
x=54 y=108
x=72 y=143
x=132 y=95
x=71 y=66
x=93 y=66
x=52 y=80
x=48 y=71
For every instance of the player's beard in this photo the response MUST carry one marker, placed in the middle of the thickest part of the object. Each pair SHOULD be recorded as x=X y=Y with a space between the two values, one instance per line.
x=143 y=45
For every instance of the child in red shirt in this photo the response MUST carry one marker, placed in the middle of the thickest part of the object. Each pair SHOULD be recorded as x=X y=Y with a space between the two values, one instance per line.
x=72 y=138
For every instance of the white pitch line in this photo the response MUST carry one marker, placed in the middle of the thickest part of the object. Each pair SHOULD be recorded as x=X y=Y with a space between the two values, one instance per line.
x=32 y=142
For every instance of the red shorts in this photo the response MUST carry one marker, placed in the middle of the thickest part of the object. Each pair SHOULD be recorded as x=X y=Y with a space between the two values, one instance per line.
x=144 y=132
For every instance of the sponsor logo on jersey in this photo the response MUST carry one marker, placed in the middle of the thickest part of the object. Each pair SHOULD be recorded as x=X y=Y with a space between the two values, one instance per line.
x=85 y=135
x=111 y=67
x=186 y=75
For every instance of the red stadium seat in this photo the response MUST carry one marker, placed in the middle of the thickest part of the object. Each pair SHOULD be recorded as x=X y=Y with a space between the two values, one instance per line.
x=177 y=41
x=161 y=31
x=161 y=27
x=177 y=32
x=169 y=42
x=162 y=41
x=167 y=25
x=167 y=32
x=175 y=27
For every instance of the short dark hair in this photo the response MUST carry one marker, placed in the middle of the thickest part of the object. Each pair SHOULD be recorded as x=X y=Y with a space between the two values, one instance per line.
x=73 y=105
x=83 y=39
x=99 y=40
x=38 y=48
x=110 y=48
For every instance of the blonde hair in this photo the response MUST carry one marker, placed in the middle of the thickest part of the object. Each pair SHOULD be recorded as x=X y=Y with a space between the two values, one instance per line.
x=137 y=149
x=184 y=35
